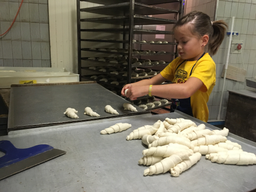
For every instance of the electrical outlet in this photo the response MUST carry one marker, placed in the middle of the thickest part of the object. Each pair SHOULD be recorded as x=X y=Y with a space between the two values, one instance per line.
x=236 y=46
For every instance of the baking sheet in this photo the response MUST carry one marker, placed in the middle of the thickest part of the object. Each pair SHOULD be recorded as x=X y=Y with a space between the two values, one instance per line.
x=44 y=105
x=95 y=162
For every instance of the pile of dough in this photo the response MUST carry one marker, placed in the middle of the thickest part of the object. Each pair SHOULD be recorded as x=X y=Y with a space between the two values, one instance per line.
x=176 y=145
x=71 y=113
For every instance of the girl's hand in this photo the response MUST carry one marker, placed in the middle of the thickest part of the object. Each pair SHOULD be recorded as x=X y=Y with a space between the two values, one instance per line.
x=135 y=91
x=125 y=89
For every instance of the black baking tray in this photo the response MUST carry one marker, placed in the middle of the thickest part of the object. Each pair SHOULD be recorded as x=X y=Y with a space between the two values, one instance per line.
x=138 y=20
x=121 y=8
x=41 y=105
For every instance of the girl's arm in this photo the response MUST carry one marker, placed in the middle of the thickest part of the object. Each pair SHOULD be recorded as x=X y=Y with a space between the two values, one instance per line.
x=156 y=80
x=168 y=91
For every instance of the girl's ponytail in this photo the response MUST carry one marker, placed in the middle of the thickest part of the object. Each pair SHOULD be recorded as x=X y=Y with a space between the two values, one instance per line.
x=219 y=30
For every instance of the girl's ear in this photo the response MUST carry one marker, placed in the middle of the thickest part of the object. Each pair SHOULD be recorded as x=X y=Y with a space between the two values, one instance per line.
x=205 y=40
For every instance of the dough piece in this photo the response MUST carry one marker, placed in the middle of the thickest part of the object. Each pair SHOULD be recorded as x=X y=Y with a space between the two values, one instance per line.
x=172 y=139
x=166 y=150
x=191 y=129
x=174 y=121
x=90 y=112
x=164 y=101
x=181 y=126
x=233 y=157
x=206 y=149
x=197 y=134
x=144 y=107
x=209 y=140
x=110 y=110
x=185 y=165
x=150 y=160
x=167 y=163
x=161 y=128
x=138 y=133
x=150 y=105
x=119 y=127
x=223 y=132
x=129 y=107
x=71 y=113
x=157 y=103
x=148 y=139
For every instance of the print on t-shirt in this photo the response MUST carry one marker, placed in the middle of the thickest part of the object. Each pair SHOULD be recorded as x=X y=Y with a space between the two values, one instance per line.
x=180 y=76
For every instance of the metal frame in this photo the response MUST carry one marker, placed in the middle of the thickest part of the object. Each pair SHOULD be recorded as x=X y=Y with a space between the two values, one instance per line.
x=127 y=17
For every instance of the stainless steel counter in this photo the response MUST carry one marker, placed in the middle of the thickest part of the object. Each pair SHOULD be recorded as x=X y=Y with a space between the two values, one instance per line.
x=95 y=162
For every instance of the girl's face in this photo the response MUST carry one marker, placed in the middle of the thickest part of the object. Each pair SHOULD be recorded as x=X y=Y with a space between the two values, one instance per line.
x=190 y=46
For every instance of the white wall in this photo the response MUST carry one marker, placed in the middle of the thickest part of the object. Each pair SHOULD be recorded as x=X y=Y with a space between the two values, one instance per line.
x=63 y=34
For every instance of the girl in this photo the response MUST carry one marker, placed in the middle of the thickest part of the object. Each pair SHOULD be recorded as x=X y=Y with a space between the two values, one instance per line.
x=192 y=73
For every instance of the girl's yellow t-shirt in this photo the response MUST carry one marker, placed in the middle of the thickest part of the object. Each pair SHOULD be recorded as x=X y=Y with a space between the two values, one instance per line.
x=205 y=70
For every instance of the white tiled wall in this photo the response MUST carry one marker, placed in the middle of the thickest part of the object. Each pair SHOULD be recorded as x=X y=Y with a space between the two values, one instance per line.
x=245 y=24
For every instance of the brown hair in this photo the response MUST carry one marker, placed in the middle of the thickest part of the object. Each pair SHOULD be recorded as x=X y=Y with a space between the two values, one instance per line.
x=202 y=26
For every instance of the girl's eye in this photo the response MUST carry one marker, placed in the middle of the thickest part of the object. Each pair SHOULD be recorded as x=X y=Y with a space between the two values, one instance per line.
x=184 y=42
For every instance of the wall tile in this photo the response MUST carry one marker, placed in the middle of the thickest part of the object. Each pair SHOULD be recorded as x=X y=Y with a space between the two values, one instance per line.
x=27 y=63
x=252 y=57
x=238 y=25
x=26 y=50
x=33 y=1
x=4 y=26
x=234 y=8
x=221 y=9
x=252 y=14
x=16 y=31
x=43 y=13
x=240 y=11
x=214 y=112
x=43 y=1
x=45 y=49
x=35 y=31
x=254 y=42
x=1 y=62
x=24 y=12
x=33 y=12
x=223 y=113
x=250 y=71
x=249 y=40
x=25 y=31
x=4 y=11
x=7 y=49
x=227 y=9
x=36 y=50
x=16 y=50
x=13 y=8
x=8 y=63
x=37 y=63
x=250 y=27
x=44 y=32
x=1 y=50
x=17 y=63
x=244 y=26
x=46 y=63
x=254 y=1
x=247 y=10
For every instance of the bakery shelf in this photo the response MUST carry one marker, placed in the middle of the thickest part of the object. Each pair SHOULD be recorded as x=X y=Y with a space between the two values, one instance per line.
x=122 y=30
x=121 y=8
x=148 y=2
x=138 y=20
